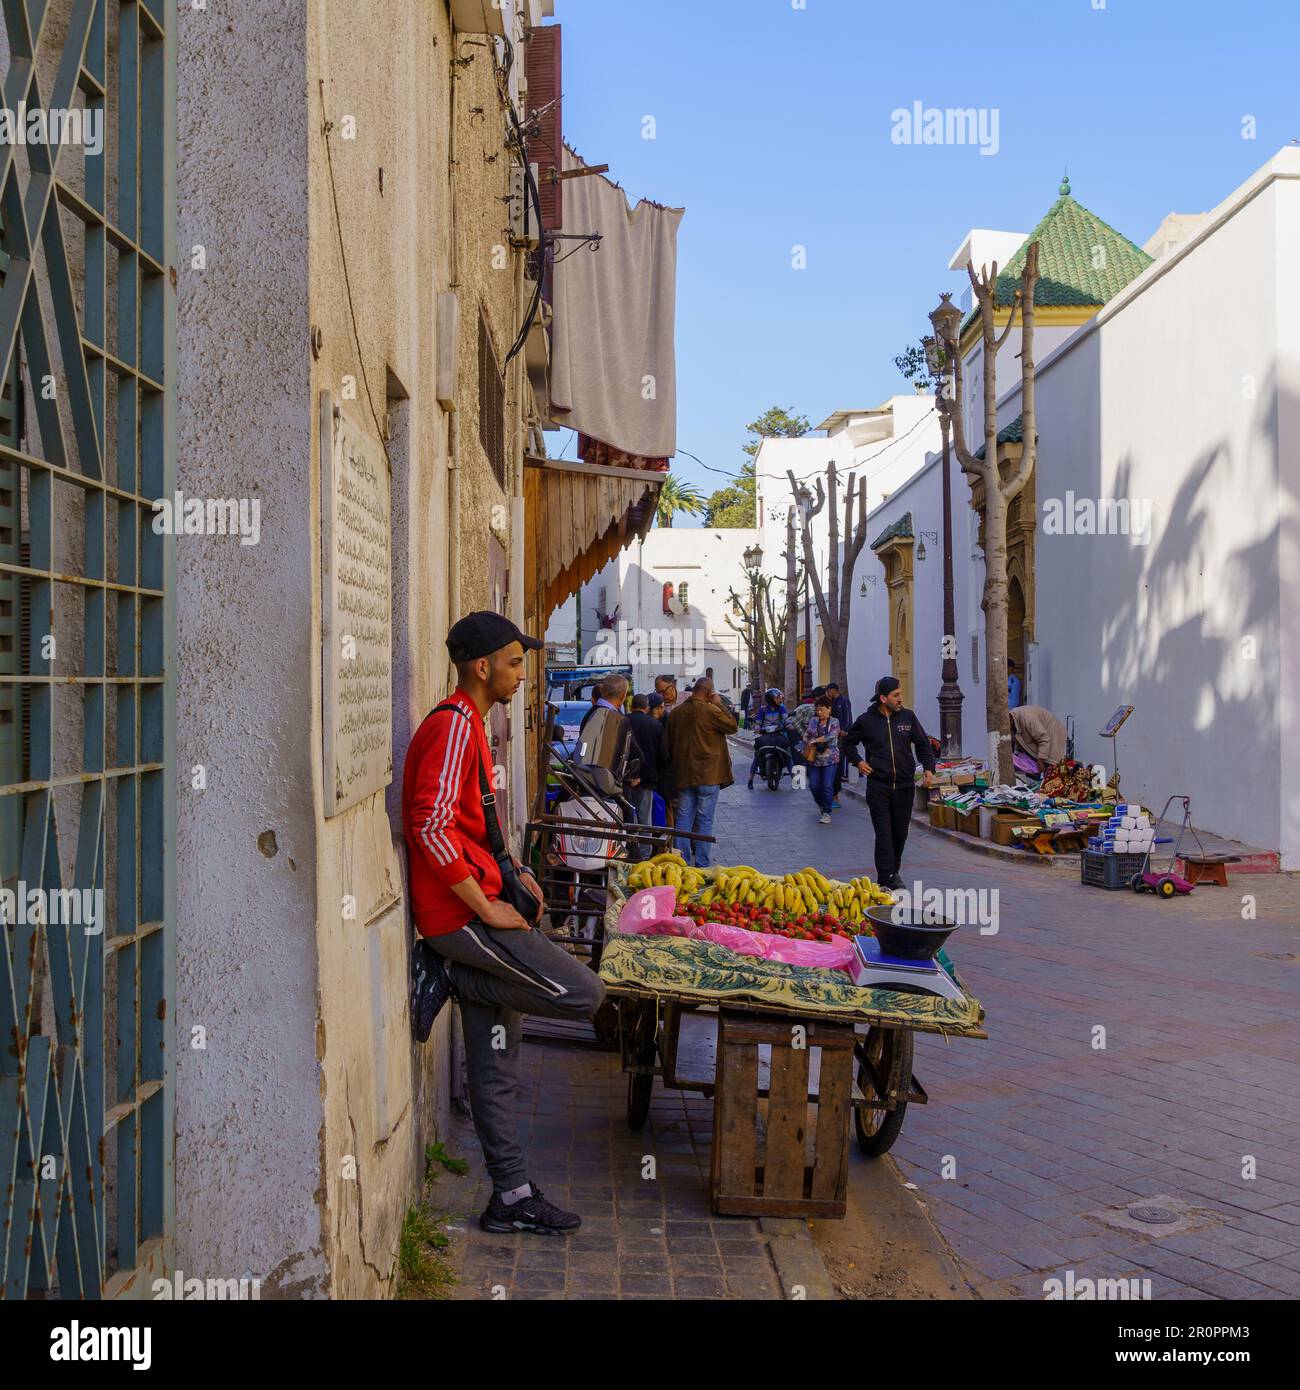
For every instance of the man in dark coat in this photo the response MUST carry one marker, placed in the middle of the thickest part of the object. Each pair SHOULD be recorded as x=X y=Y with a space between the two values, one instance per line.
x=892 y=741
x=648 y=734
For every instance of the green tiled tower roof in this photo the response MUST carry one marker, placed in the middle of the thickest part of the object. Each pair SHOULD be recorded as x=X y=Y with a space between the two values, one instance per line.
x=1081 y=259
x=1014 y=433
x=902 y=527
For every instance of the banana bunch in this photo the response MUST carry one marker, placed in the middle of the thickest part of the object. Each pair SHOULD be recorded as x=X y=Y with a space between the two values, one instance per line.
x=669 y=870
x=807 y=890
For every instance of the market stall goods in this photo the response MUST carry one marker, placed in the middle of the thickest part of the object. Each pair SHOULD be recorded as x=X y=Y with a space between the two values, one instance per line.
x=802 y=892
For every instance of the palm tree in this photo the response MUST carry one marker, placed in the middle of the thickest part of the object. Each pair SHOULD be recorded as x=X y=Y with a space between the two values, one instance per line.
x=677 y=497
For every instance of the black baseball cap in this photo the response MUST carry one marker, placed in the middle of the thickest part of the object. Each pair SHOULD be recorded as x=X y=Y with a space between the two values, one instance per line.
x=481 y=634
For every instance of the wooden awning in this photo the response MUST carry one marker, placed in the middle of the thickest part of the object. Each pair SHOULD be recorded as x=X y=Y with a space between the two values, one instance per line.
x=577 y=517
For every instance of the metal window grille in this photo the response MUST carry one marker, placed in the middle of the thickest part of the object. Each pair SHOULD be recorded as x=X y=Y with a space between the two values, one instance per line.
x=491 y=404
x=86 y=341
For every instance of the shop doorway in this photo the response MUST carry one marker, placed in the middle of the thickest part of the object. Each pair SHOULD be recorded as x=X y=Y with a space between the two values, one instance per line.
x=1016 y=643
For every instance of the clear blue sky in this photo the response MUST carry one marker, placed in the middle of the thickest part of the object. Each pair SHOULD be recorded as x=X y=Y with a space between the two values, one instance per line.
x=773 y=129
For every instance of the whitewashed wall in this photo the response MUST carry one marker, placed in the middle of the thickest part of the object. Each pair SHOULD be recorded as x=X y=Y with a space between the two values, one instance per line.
x=1185 y=391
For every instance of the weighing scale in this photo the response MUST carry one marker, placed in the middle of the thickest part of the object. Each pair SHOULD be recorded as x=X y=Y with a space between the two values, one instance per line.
x=873 y=969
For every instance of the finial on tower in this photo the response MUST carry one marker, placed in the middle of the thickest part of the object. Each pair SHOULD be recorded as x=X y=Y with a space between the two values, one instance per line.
x=1064 y=189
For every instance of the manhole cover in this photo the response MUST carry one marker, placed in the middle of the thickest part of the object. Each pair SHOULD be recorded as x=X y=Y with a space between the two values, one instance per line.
x=1154 y=1216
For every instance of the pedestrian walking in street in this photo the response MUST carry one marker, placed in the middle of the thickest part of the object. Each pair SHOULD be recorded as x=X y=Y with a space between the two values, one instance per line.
x=609 y=693
x=892 y=741
x=701 y=764
x=481 y=910
x=843 y=712
x=648 y=733
x=821 y=750
x=666 y=689
x=667 y=787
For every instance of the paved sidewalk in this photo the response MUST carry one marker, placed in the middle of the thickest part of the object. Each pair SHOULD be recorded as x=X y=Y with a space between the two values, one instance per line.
x=1199 y=1000
x=647 y=1230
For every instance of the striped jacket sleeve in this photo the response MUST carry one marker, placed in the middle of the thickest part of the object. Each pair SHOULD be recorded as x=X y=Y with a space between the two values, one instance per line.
x=450 y=756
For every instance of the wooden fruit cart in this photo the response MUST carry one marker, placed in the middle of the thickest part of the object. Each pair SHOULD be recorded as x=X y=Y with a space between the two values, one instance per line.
x=855 y=1064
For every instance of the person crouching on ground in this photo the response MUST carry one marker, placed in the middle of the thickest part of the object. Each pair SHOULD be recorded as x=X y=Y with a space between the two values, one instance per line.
x=500 y=965
x=892 y=740
x=821 y=751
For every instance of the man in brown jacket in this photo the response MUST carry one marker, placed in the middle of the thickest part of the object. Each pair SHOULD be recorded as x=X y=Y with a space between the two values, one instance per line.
x=696 y=739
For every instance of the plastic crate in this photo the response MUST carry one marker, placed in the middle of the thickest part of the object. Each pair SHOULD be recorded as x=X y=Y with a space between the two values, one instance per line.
x=1109 y=870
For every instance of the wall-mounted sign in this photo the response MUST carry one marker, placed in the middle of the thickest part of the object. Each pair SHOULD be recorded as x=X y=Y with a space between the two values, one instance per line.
x=356 y=610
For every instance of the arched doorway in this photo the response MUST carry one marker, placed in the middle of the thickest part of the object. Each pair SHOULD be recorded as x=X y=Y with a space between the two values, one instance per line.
x=1016 y=629
x=1016 y=622
x=901 y=649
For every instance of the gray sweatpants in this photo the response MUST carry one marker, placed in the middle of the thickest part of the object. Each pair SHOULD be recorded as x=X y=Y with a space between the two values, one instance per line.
x=500 y=975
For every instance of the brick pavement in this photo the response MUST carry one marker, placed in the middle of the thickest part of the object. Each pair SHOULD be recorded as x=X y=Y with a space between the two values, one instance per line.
x=646 y=1233
x=1201 y=1068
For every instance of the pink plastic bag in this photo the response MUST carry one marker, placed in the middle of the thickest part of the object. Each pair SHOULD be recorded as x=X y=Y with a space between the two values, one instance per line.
x=651 y=912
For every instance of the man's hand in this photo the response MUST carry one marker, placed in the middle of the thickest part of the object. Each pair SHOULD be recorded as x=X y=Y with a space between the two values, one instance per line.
x=863 y=768
x=502 y=916
x=530 y=882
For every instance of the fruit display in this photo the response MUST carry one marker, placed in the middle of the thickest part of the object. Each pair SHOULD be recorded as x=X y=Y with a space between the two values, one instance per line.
x=798 y=926
x=669 y=870
x=805 y=893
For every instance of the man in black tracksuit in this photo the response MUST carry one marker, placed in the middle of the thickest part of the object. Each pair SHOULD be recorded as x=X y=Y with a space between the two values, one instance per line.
x=888 y=735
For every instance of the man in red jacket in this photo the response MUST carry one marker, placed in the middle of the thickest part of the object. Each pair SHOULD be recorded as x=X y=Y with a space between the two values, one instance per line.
x=501 y=966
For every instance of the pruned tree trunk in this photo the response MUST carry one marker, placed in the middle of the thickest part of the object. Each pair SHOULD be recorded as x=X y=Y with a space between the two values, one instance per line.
x=999 y=491
x=834 y=603
x=789 y=645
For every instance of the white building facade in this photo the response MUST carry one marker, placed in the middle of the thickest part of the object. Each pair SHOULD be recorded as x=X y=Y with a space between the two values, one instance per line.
x=662 y=607
x=883 y=447
x=1159 y=553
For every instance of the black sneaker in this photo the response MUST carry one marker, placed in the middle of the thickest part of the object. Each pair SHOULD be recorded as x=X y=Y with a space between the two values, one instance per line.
x=533 y=1213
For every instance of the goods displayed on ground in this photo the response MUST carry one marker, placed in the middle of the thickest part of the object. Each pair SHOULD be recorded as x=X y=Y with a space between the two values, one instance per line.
x=1058 y=816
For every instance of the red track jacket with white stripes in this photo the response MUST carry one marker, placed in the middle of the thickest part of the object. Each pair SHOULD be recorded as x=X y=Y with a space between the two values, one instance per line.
x=442 y=816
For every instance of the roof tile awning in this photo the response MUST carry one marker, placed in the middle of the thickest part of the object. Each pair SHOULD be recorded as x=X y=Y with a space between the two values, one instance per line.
x=578 y=517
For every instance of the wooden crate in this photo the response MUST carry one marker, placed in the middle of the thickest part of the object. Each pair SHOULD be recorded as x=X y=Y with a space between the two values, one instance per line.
x=968 y=822
x=767 y=1173
x=1004 y=823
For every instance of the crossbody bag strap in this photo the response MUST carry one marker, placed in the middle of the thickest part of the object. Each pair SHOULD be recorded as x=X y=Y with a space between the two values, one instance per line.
x=496 y=841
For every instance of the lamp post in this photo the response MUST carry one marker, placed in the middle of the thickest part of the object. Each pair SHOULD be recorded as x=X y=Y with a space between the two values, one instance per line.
x=753 y=558
x=804 y=498
x=940 y=354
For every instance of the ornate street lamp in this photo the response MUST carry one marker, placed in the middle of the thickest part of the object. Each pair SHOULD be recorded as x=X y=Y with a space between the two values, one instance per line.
x=941 y=355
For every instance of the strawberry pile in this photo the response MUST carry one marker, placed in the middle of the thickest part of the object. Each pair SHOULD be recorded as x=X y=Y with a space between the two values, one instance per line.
x=798 y=926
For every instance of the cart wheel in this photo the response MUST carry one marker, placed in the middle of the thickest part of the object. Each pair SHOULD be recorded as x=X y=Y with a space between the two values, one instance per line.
x=1136 y=884
x=1167 y=888
x=640 y=1050
x=890 y=1051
